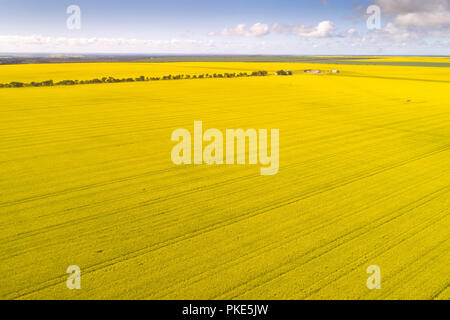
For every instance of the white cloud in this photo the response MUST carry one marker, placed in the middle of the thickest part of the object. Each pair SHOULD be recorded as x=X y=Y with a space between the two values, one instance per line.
x=409 y=6
x=322 y=30
x=352 y=32
x=424 y=19
x=256 y=30
x=414 y=20
x=36 y=43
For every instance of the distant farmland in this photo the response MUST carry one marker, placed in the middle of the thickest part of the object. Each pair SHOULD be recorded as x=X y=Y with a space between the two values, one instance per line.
x=341 y=60
x=364 y=179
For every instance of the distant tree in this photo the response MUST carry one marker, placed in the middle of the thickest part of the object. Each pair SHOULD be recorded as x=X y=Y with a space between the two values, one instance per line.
x=140 y=78
x=16 y=84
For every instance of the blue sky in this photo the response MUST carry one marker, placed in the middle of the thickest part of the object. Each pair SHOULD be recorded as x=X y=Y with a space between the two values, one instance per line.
x=231 y=27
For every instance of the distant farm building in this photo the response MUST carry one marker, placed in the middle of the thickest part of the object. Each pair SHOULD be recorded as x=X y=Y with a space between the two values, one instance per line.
x=313 y=71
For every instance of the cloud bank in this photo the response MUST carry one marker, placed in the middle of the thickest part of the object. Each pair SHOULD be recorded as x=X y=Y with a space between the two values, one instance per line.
x=408 y=26
x=322 y=30
x=412 y=19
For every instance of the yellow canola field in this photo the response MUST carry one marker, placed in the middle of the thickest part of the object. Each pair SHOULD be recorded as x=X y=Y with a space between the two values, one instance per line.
x=86 y=71
x=86 y=179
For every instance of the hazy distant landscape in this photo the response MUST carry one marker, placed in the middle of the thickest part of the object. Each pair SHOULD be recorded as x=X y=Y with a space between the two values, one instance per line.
x=443 y=61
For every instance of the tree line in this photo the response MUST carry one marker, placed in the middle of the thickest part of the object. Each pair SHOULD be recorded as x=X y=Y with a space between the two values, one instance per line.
x=49 y=83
